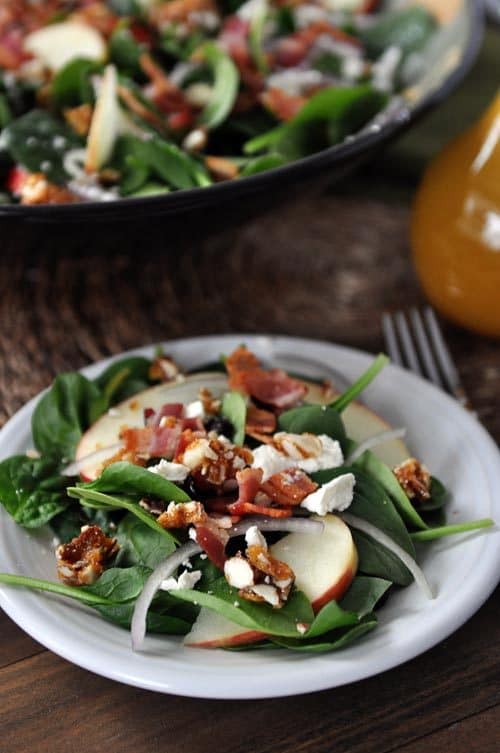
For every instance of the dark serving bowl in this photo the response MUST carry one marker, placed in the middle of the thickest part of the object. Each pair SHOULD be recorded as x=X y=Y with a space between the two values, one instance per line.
x=447 y=60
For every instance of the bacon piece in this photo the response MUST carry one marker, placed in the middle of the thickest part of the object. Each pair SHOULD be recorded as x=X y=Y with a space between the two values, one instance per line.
x=249 y=481
x=83 y=559
x=292 y=50
x=154 y=418
x=274 y=387
x=152 y=441
x=282 y=105
x=247 y=508
x=289 y=487
x=212 y=539
x=259 y=421
x=233 y=38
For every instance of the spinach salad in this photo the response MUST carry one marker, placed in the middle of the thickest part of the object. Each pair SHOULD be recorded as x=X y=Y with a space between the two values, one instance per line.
x=239 y=506
x=103 y=100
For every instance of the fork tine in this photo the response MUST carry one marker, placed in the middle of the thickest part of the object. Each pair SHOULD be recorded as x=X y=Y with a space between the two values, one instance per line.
x=391 y=341
x=407 y=343
x=450 y=374
x=425 y=349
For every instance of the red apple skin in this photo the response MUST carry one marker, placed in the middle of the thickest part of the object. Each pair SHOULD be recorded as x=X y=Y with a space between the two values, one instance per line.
x=338 y=589
x=238 y=639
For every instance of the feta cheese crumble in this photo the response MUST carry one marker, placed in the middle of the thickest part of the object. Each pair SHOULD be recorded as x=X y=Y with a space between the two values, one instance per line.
x=185 y=580
x=336 y=494
x=170 y=471
x=238 y=572
x=253 y=537
x=308 y=452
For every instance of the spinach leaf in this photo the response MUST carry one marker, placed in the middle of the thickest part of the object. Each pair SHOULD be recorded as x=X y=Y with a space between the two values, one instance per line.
x=38 y=142
x=439 y=496
x=125 y=378
x=234 y=408
x=375 y=468
x=125 y=51
x=408 y=29
x=127 y=478
x=376 y=560
x=330 y=617
x=352 y=392
x=225 y=86
x=332 y=641
x=260 y=164
x=140 y=545
x=363 y=594
x=121 y=614
x=347 y=108
x=316 y=419
x=31 y=490
x=126 y=7
x=223 y=599
x=64 y=412
x=99 y=501
x=5 y=111
x=71 y=86
x=119 y=584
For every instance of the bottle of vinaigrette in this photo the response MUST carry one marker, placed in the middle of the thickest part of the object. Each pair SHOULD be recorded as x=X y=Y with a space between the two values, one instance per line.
x=455 y=227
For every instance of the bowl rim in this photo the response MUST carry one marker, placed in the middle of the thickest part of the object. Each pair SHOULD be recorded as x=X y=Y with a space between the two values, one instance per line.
x=204 y=197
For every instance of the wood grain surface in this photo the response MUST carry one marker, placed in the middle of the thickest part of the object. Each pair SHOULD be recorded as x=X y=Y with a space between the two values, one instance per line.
x=325 y=267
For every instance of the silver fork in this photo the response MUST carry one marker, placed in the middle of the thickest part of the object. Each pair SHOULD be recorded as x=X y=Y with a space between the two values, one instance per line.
x=415 y=341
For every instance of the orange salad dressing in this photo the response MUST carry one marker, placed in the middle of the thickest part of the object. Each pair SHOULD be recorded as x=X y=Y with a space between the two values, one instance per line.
x=455 y=229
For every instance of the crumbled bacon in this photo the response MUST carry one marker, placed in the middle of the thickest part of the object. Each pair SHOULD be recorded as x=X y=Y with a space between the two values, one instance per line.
x=289 y=487
x=152 y=441
x=154 y=418
x=291 y=51
x=249 y=481
x=273 y=387
x=83 y=559
x=415 y=480
x=259 y=421
x=249 y=508
x=283 y=106
x=182 y=514
x=213 y=539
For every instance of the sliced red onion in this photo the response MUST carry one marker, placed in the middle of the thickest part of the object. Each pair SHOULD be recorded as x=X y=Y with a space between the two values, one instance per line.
x=74 y=468
x=385 y=540
x=374 y=441
x=298 y=525
x=164 y=570
x=168 y=567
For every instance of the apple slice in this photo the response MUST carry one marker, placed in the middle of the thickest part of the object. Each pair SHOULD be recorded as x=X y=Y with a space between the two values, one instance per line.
x=324 y=565
x=106 y=122
x=360 y=421
x=57 y=44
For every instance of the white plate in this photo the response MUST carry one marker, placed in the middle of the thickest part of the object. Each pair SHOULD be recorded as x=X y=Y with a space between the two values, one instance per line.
x=462 y=570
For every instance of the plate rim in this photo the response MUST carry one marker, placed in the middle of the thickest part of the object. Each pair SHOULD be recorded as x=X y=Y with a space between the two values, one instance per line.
x=12 y=600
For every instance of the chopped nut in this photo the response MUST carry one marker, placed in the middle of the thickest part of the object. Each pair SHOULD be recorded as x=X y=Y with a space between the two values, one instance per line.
x=182 y=514
x=164 y=369
x=83 y=559
x=79 y=118
x=272 y=580
x=415 y=479
x=37 y=189
x=221 y=168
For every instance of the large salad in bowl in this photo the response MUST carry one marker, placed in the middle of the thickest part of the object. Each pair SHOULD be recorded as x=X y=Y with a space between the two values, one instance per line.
x=102 y=100
x=239 y=506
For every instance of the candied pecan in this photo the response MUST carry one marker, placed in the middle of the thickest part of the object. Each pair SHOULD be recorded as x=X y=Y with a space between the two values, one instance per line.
x=164 y=369
x=211 y=405
x=79 y=118
x=82 y=560
x=182 y=514
x=415 y=479
x=213 y=460
x=38 y=190
x=260 y=577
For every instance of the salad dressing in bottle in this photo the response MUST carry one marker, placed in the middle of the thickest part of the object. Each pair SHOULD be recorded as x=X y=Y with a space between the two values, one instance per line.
x=455 y=228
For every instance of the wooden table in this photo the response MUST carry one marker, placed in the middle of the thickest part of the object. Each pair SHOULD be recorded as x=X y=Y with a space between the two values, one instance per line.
x=322 y=268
